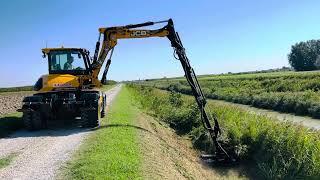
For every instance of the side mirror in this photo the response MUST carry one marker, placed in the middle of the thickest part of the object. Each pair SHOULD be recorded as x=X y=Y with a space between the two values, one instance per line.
x=44 y=55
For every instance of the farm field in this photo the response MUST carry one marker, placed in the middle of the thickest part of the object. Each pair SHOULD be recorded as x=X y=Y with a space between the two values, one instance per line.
x=278 y=150
x=138 y=135
x=11 y=101
x=16 y=89
x=290 y=92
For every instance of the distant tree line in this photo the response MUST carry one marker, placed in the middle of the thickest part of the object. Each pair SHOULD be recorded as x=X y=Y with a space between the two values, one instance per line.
x=305 y=56
x=283 y=69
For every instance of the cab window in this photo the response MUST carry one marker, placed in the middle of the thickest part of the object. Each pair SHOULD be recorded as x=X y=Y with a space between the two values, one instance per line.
x=66 y=61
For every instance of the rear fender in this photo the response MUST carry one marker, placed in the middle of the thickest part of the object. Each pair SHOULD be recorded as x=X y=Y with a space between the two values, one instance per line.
x=31 y=103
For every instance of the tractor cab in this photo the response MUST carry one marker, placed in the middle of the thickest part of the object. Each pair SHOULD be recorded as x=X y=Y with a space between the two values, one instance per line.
x=69 y=69
x=74 y=61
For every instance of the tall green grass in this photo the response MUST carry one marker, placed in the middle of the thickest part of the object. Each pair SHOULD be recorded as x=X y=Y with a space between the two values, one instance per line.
x=279 y=150
x=112 y=151
x=285 y=92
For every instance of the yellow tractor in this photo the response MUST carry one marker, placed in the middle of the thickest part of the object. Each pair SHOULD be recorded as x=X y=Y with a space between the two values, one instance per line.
x=67 y=92
x=71 y=87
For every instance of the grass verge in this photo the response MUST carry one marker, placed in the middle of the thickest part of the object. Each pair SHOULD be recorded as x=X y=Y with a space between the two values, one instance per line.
x=112 y=151
x=9 y=123
x=5 y=161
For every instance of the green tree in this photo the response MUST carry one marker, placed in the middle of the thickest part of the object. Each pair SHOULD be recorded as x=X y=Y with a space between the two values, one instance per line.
x=304 y=56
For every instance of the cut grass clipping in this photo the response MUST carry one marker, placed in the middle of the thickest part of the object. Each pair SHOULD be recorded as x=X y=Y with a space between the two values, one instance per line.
x=279 y=150
x=112 y=151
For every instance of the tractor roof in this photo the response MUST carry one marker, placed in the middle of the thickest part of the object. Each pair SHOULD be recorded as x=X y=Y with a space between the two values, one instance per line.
x=47 y=50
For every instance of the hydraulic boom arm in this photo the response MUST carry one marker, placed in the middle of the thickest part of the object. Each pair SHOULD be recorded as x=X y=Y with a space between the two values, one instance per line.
x=110 y=37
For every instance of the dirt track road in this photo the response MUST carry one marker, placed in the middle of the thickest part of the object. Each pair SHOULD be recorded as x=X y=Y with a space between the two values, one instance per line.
x=39 y=155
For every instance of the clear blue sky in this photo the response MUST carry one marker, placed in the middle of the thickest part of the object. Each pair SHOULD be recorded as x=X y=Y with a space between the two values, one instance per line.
x=220 y=36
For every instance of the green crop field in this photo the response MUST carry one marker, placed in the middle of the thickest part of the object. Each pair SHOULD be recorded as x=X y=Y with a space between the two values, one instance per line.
x=16 y=89
x=292 y=92
x=279 y=150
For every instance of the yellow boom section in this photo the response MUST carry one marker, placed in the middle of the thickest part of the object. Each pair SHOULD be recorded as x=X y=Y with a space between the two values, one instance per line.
x=112 y=34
